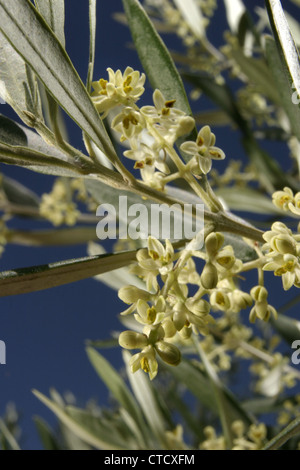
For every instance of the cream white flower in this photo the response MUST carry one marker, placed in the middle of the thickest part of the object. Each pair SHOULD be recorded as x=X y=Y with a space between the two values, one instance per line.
x=282 y=199
x=147 y=157
x=295 y=206
x=129 y=123
x=167 y=120
x=147 y=315
x=203 y=150
x=119 y=89
x=288 y=267
x=146 y=361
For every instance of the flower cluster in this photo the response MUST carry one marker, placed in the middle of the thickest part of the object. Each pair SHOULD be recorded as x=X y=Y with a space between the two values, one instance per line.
x=283 y=250
x=169 y=314
x=252 y=438
x=58 y=206
x=119 y=89
x=164 y=312
x=151 y=131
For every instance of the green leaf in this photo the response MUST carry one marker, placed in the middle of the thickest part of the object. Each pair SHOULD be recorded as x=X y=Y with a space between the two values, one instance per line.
x=117 y=386
x=23 y=280
x=46 y=434
x=288 y=328
x=144 y=393
x=283 y=84
x=37 y=161
x=53 y=12
x=18 y=86
x=154 y=56
x=55 y=237
x=43 y=52
x=8 y=436
x=118 y=277
x=292 y=429
x=92 y=23
x=289 y=55
x=109 y=429
x=200 y=386
x=82 y=429
x=11 y=133
x=247 y=200
x=17 y=193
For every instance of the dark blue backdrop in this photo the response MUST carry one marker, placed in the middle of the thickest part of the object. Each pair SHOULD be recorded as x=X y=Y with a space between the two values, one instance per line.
x=45 y=331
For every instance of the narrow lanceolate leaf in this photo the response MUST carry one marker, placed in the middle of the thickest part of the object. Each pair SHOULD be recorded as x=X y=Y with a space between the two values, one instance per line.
x=117 y=387
x=11 y=133
x=93 y=20
x=46 y=434
x=289 y=54
x=144 y=393
x=291 y=430
x=53 y=12
x=36 y=161
x=249 y=200
x=17 y=193
x=24 y=280
x=55 y=237
x=154 y=56
x=289 y=98
x=82 y=431
x=41 y=49
x=18 y=86
x=288 y=328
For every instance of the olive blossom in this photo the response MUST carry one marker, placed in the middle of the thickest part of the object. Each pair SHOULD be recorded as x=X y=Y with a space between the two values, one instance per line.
x=166 y=120
x=119 y=89
x=203 y=150
x=283 y=249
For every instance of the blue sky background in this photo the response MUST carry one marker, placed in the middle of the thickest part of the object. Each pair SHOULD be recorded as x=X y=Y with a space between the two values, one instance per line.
x=45 y=331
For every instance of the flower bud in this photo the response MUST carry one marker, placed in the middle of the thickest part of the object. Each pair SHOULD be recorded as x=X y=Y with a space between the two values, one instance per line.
x=284 y=244
x=131 y=294
x=213 y=243
x=198 y=307
x=259 y=293
x=186 y=125
x=209 y=276
x=168 y=352
x=132 y=340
